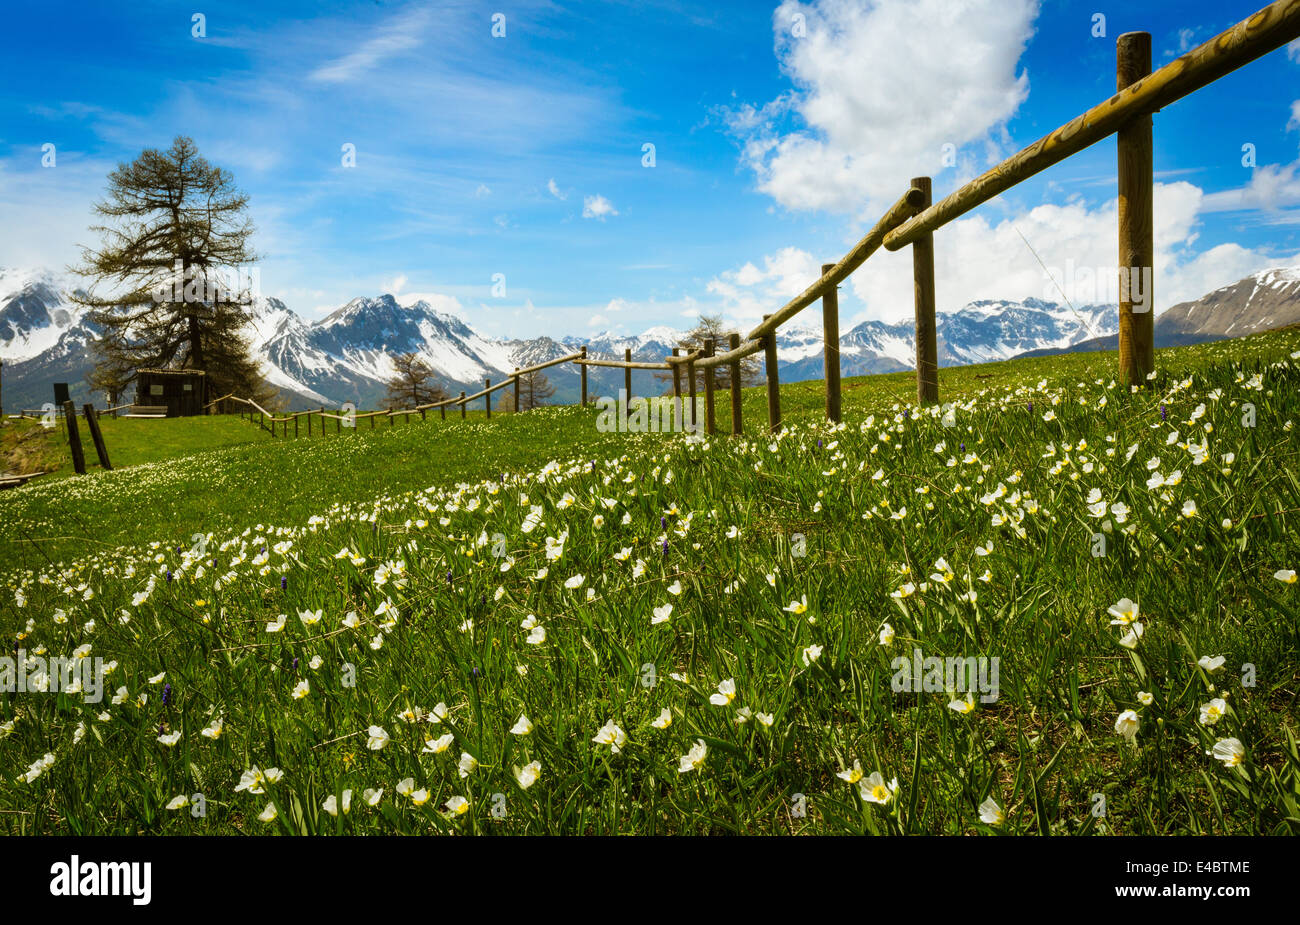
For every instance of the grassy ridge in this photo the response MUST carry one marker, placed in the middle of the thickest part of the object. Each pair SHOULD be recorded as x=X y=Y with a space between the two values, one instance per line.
x=528 y=626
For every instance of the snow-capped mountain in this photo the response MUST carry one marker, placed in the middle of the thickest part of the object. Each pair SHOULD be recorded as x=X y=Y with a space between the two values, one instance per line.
x=347 y=356
x=1263 y=300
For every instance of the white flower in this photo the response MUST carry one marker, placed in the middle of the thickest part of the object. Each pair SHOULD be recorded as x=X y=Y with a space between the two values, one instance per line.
x=467 y=764
x=798 y=607
x=1211 y=665
x=693 y=759
x=726 y=693
x=675 y=588
x=1213 y=711
x=170 y=740
x=873 y=789
x=661 y=614
x=1286 y=576
x=886 y=635
x=1124 y=612
x=610 y=734
x=310 y=617
x=851 y=775
x=439 y=745
x=522 y=726
x=810 y=655
x=1229 y=751
x=574 y=581
x=331 y=804
x=663 y=720
x=1127 y=724
x=301 y=689
x=269 y=814
x=991 y=813
x=528 y=774
x=378 y=738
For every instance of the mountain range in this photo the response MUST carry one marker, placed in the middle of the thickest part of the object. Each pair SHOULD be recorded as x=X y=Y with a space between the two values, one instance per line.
x=346 y=356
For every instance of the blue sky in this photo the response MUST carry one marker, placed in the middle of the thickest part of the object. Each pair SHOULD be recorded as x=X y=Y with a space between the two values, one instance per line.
x=523 y=155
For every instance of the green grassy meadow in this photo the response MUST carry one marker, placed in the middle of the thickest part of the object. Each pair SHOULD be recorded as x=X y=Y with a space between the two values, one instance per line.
x=529 y=626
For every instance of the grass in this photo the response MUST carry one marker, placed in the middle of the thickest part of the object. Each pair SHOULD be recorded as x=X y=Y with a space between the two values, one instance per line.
x=438 y=582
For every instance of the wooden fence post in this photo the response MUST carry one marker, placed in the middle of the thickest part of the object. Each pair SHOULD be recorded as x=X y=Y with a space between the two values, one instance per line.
x=443 y=410
x=1136 y=246
x=927 y=349
x=733 y=342
x=92 y=422
x=74 y=438
x=583 y=367
x=487 y=398
x=515 y=409
x=677 y=375
x=322 y=421
x=308 y=423
x=627 y=375
x=831 y=349
x=462 y=405
x=709 y=419
x=773 y=380
x=338 y=424
x=295 y=427
x=690 y=392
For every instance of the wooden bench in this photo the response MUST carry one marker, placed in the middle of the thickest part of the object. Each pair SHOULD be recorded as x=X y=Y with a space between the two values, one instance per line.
x=147 y=411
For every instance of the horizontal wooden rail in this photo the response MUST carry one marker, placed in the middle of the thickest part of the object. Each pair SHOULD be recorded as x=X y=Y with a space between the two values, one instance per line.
x=722 y=359
x=680 y=359
x=623 y=364
x=532 y=369
x=1265 y=31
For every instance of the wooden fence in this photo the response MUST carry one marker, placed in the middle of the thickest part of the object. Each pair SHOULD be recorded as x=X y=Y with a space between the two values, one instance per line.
x=914 y=218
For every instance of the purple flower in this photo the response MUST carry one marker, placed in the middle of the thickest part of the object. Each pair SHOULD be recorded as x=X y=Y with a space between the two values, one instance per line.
x=963 y=448
x=665 y=547
x=1164 y=414
x=167 y=696
x=169 y=574
x=819 y=444
x=284 y=582
x=1031 y=407
x=295 y=663
x=663 y=524
x=448 y=576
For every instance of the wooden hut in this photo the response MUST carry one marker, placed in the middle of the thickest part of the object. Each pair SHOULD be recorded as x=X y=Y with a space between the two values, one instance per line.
x=179 y=391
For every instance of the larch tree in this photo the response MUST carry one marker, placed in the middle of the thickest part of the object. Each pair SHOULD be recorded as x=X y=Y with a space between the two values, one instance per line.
x=712 y=326
x=413 y=382
x=167 y=285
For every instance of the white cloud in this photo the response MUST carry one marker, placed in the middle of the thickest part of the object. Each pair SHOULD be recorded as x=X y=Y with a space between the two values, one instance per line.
x=597 y=321
x=483 y=190
x=748 y=293
x=1293 y=51
x=554 y=189
x=401 y=33
x=597 y=207
x=882 y=86
x=396 y=285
